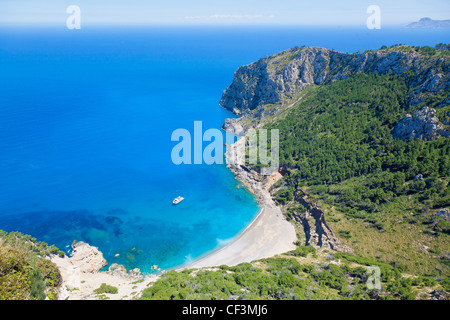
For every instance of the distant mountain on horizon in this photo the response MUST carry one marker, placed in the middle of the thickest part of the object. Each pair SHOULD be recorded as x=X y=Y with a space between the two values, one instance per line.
x=429 y=23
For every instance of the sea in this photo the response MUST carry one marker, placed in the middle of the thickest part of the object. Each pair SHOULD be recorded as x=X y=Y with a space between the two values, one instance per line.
x=86 y=118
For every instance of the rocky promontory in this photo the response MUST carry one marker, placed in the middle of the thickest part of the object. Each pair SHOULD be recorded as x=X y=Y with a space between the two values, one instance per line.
x=263 y=92
x=87 y=258
x=428 y=23
x=279 y=78
x=82 y=275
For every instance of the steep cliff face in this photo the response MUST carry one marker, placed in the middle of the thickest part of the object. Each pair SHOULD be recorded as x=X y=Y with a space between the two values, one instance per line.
x=282 y=76
x=319 y=232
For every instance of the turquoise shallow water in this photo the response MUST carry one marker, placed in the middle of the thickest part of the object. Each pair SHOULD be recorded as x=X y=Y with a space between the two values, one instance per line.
x=85 y=126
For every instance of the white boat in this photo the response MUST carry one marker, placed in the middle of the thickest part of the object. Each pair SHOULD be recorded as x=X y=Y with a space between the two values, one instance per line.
x=177 y=200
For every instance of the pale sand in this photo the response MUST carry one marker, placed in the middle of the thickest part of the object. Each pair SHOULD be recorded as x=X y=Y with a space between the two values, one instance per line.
x=268 y=235
x=80 y=286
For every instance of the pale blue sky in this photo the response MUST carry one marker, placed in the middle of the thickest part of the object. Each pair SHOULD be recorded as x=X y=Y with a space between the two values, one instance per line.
x=234 y=12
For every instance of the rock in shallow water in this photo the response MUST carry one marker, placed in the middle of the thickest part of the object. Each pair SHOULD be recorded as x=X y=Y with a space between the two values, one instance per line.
x=88 y=258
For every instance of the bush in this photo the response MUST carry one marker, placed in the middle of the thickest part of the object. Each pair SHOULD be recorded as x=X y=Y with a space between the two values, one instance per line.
x=37 y=285
x=302 y=251
x=104 y=288
x=345 y=234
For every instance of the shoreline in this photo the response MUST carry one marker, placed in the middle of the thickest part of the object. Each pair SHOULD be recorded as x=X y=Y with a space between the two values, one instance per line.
x=267 y=235
x=217 y=250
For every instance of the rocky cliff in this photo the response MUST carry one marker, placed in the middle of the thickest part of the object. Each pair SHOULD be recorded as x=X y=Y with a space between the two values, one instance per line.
x=317 y=231
x=87 y=258
x=279 y=78
x=421 y=125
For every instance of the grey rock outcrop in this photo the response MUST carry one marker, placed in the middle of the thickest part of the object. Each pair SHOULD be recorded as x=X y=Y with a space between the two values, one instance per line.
x=421 y=125
x=317 y=231
x=443 y=213
x=284 y=75
x=233 y=126
x=87 y=258
x=121 y=271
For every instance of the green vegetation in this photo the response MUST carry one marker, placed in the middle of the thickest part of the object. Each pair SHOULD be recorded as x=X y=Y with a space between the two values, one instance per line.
x=336 y=145
x=25 y=273
x=302 y=251
x=439 y=49
x=104 y=288
x=342 y=130
x=291 y=279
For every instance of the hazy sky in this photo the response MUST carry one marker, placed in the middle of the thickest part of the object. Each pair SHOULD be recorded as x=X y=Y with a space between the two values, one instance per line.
x=235 y=12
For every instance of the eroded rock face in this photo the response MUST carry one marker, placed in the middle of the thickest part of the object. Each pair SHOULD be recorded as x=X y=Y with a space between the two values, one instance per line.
x=233 y=126
x=317 y=231
x=120 y=270
x=421 y=125
x=87 y=258
x=283 y=75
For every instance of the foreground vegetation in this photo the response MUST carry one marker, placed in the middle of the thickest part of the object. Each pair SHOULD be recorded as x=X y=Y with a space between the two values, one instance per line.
x=25 y=272
x=297 y=277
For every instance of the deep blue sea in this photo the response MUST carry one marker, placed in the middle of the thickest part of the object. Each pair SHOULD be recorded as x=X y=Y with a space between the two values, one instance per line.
x=86 y=118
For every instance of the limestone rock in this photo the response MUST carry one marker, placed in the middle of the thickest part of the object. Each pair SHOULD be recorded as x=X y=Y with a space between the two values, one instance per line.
x=443 y=213
x=318 y=233
x=439 y=295
x=233 y=126
x=421 y=125
x=284 y=75
x=87 y=258
x=120 y=270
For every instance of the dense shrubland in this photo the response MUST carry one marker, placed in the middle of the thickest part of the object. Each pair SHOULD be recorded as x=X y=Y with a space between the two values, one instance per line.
x=25 y=273
x=292 y=279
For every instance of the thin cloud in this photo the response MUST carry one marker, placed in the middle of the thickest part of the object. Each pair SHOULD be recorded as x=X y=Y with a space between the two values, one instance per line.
x=230 y=17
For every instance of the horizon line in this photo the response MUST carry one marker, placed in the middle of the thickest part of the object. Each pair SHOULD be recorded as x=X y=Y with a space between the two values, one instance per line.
x=171 y=24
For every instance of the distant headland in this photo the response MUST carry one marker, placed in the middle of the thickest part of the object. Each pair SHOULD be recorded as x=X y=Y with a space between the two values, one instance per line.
x=428 y=23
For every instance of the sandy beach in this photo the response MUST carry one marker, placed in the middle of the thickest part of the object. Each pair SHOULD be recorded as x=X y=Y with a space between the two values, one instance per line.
x=268 y=234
